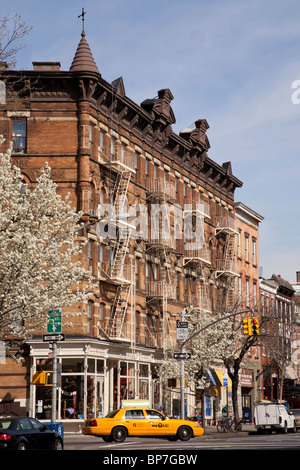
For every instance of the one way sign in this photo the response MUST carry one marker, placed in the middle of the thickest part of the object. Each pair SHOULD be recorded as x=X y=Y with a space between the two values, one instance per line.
x=54 y=337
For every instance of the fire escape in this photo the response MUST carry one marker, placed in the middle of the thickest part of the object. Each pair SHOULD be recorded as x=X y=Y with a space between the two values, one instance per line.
x=226 y=267
x=117 y=271
x=196 y=254
x=159 y=245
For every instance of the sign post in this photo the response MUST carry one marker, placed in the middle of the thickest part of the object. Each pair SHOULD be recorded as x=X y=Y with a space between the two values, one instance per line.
x=54 y=330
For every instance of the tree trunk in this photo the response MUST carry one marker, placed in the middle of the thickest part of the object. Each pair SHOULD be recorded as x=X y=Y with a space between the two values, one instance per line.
x=235 y=386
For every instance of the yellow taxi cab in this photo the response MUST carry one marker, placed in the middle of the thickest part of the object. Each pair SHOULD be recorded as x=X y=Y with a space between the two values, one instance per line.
x=140 y=422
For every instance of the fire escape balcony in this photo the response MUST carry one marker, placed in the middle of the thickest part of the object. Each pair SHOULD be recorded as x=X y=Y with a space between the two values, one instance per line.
x=227 y=268
x=226 y=225
x=160 y=189
x=199 y=209
x=160 y=290
x=115 y=273
x=197 y=256
x=160 y=242
x=119 y=160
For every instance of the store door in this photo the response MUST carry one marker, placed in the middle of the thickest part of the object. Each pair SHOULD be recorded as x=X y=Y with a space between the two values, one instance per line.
x=246 y=407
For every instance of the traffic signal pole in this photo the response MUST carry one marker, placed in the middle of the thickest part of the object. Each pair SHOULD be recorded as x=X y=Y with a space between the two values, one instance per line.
x=183 y=343
x=54 y=384
x=182 y=372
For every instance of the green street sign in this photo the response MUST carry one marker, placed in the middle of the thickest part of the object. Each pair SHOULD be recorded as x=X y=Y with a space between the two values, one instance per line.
x=54 y=321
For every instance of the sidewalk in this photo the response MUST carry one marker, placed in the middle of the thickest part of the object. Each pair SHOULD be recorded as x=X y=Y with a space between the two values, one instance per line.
x=212 y=433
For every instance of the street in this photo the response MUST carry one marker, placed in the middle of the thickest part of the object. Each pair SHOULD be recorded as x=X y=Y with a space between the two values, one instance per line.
x=226 y=442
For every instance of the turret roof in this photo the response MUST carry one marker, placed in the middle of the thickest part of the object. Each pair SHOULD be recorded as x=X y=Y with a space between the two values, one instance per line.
x=83 y=61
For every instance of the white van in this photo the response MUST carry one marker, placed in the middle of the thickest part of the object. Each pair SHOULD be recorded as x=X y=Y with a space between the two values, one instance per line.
x=270 y=416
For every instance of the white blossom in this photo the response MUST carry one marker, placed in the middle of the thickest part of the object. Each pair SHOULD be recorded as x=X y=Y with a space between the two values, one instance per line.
x=40 y=256
x=207 y=347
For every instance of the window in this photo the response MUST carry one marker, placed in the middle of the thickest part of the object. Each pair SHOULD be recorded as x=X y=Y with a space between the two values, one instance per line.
x=136 y=165
x=147 y=167
x=91 y=139
x=136 y=273
x=19 y=136
x=239 y=245
x=154 y=414
x=253 y=251
x=254 y=294
x=90 y=254
x=246 y=248
x=91 y=199
x=101 y=312
x=89 y=316
x=23 y=424
x=101 y=140
x=134 y=414
x=240 y=289
x=112 y=147
x=247 y=292
x=177 y=287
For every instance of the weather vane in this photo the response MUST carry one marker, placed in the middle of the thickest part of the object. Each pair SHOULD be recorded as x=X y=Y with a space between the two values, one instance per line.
x=82 y=15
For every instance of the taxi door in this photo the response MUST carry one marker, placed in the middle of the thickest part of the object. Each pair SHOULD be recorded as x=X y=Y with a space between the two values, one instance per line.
x=158 y=425
x=135 y=422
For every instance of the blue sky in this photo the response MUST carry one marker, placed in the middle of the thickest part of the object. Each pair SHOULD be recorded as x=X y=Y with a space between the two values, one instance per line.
x=231 y=62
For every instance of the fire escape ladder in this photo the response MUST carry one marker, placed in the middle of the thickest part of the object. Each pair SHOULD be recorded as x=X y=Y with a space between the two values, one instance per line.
x=119 y=309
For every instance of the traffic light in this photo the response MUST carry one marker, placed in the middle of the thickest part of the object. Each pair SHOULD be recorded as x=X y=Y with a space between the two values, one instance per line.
x=247 y=326
x=172 y=383
x=255 y=326
x=43 y=378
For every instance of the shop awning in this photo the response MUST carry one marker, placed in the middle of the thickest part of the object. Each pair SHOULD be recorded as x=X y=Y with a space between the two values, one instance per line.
x=214 y=378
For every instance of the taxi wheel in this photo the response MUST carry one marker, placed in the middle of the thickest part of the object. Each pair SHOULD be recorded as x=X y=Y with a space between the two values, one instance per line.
x=184 y=433
x=119 y=434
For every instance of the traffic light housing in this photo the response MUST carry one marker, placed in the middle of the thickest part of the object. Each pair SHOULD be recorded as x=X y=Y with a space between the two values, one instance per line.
x=247 y=326
x=172 y=383
x=255 y=326
x=43 y=378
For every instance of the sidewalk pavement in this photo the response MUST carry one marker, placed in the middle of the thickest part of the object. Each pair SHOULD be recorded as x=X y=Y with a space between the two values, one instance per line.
x=210 y=432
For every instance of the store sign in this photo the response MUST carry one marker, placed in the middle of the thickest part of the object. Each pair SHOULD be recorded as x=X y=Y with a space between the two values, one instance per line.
x=246 y=379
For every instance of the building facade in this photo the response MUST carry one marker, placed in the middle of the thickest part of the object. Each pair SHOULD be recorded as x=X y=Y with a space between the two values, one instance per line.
x=160 y=223
x=277 y=306
x=248 y=296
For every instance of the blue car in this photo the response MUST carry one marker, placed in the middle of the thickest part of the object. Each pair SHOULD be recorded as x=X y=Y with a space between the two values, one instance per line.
x=26 y=433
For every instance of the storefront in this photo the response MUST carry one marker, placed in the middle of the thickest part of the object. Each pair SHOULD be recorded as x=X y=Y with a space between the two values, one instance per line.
x=247 y=390
x=94 y=378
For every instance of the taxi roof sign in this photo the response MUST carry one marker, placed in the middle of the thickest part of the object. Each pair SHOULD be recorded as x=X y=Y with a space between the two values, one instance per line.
x=135 y=403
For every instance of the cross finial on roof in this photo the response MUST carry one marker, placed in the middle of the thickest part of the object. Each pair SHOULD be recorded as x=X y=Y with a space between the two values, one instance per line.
x=82 y=15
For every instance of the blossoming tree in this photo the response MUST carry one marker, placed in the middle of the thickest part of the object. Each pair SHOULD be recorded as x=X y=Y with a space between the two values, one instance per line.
x=40 y=267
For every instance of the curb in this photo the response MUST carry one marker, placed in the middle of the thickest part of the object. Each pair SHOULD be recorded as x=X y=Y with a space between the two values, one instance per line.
x=210 y=433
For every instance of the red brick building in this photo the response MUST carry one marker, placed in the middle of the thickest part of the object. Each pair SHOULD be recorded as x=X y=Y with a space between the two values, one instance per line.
x=104 y=149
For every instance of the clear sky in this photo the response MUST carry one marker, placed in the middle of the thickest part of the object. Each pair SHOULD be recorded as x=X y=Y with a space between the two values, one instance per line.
x=232 y=62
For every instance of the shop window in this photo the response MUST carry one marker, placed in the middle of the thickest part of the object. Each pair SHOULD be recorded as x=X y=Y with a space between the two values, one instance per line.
x=72 y=396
